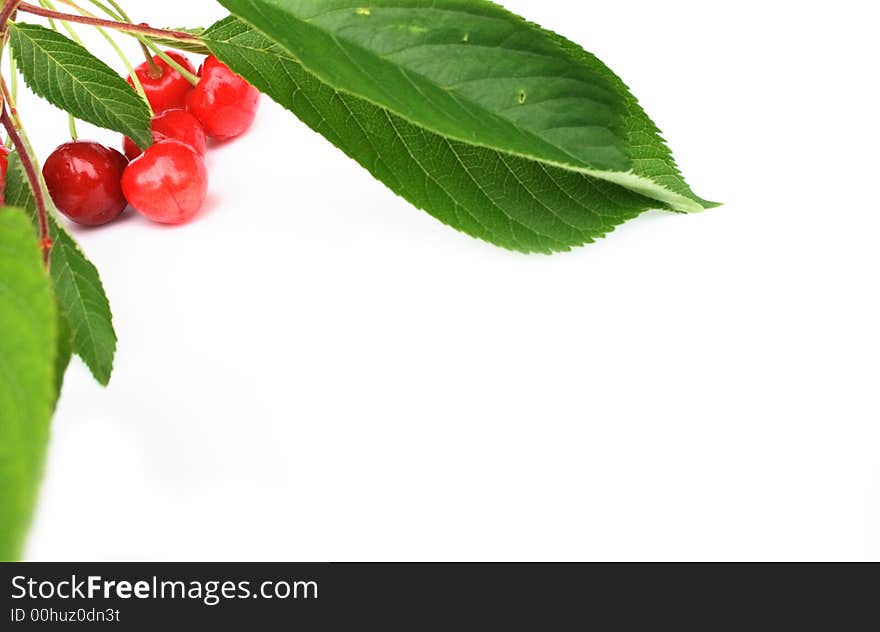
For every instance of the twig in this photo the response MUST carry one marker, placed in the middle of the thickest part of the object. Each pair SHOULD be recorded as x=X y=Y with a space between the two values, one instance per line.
x=33 y=179
x=146 y=45
x=110 y=24
x=8 y=9
x=30 y=170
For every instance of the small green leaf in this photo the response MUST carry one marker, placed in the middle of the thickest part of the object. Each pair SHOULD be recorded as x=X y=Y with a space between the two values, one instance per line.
x=84 y=304
x=78 y=286
x=71 y=78
x=507 y=200
x=28 y=323
x=65 y=352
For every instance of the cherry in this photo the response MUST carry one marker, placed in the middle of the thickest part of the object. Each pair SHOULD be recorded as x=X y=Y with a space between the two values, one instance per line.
x=167 y=183
x=173 y=125
x=224 y=102
x=4 y=162
x=4 y=167
x=166 y=88
x=83 y=179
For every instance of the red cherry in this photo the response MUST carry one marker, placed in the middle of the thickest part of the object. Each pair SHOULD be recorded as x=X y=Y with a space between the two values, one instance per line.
x=4 y=161
x=4 y=167
x=167 y=183
x=224 y=102
x=173 y=125
x=167 y=89
x=83 y=178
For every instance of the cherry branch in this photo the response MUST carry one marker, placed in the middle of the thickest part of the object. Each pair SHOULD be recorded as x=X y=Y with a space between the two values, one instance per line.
x=34 y=180
x=8 y=9
x=125 y=27
x=21 y=149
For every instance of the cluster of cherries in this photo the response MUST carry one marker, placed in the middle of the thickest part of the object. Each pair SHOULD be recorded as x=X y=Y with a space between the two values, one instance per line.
x=92 y=184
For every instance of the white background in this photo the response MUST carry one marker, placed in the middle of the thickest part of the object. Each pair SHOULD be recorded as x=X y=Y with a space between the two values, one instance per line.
x=314 y=370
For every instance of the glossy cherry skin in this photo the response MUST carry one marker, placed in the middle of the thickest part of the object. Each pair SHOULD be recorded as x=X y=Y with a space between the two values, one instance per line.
x=4 y=167
x=169 y=89
x=83 y=179
x=4 y=161
x=167 y=183
x=173 y=125
x=224 y=102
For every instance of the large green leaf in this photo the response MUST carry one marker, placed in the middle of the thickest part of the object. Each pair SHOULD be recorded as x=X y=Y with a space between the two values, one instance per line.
x=466 y=70
x=71 y=78
x=472 y=72
x=508 y=200
x=28 y=325
x=78 y=286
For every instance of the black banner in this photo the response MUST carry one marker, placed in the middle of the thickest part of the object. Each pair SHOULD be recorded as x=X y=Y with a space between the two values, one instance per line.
x=151 y=596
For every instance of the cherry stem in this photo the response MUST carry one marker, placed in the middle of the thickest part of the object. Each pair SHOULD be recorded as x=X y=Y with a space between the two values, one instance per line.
x=33 y=179
x=116 y=12
x=125 y=27
x=135 y=80
x=153 y=69
x=183 y=72
x=71 y=124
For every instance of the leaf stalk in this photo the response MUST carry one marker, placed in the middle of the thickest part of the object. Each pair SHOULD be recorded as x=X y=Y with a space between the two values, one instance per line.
x=125 y=27
x=8 y=9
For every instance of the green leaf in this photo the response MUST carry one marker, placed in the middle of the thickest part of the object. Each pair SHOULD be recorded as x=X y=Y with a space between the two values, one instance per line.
x=505 y=199
x=471 y=71
x=78 y=286
x=84 y=305
x=377 y=82
x=71 y=78
x=28 y=325
x=651 y=157
x=64 y=353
